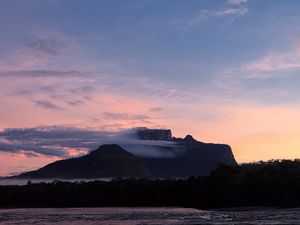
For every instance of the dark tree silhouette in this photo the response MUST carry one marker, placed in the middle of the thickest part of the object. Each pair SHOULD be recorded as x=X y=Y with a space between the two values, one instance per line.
x=272 y=183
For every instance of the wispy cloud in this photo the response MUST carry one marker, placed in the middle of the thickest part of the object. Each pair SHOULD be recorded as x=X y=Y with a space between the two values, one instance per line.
x=124 y=116
x=47 y=105
x=236 y=2
x=69 y=70
x=232 y=12
x=156 y=109
x=39 y=73
x=272 y=65
x=63 y=86
x=235 y=12
x=53 y=45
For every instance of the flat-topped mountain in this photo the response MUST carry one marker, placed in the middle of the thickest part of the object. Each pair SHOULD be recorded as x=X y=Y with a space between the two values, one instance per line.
x=190 y=157
x=106 y=161
x=174 y=157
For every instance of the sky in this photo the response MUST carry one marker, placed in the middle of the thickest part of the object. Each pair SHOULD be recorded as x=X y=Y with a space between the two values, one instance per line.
x=75 y=72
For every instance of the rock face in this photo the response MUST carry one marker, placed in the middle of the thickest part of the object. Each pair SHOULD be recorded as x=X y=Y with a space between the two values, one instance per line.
x=199 y=159
x=154 y=134
x=196 y=158
x=106 y=161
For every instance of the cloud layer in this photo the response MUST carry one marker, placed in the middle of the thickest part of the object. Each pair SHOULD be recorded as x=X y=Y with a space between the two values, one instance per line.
x=66 y=142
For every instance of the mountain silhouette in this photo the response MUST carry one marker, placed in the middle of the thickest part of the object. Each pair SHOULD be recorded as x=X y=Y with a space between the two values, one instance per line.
x=196 y=158
x=106 y=161
x=178 y=157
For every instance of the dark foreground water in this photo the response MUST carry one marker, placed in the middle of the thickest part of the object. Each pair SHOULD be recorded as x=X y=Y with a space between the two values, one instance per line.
x=146 y=216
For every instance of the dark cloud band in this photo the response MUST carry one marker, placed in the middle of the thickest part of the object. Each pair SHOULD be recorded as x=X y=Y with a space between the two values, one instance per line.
x=57 y=140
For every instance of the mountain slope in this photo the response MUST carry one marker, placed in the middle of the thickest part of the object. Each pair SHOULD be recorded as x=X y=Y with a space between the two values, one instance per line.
x=106 y=161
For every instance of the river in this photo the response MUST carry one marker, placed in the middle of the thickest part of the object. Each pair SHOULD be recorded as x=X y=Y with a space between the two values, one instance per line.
x=147 y=216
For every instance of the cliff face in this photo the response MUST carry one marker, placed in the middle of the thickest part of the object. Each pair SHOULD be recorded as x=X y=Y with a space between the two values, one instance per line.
x=196 y=158
x=154 y=134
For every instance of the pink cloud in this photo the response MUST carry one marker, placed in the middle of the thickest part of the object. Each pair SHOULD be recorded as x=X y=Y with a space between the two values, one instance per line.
x=272 y=65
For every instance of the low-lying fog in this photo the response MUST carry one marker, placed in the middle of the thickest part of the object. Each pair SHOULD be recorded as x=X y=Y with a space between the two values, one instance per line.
x=25 y=181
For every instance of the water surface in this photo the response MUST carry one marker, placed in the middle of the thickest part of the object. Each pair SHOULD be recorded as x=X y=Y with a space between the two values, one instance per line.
x=146 y=216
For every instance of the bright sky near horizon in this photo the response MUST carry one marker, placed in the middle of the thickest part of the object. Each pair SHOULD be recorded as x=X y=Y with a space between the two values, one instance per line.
x=225 y=71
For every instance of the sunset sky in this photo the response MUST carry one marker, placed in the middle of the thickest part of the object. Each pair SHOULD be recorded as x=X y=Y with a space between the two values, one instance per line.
x=225 y=71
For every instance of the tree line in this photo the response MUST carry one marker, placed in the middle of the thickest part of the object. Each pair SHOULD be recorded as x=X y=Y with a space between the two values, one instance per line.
x=272 y=183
